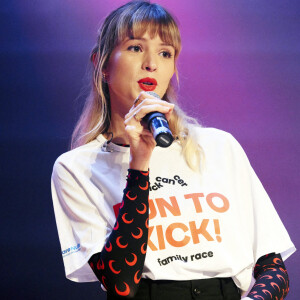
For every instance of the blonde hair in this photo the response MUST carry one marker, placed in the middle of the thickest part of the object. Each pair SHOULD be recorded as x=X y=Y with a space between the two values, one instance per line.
x=133 y=20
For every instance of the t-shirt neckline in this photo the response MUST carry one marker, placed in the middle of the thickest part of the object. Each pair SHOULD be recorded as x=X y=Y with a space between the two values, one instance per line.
x=111 y=146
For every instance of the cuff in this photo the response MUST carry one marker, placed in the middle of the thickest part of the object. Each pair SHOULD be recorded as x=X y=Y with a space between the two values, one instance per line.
x=136 y=177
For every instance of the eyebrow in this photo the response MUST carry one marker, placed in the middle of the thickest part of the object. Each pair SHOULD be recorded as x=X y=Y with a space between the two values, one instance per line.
x=145 y=40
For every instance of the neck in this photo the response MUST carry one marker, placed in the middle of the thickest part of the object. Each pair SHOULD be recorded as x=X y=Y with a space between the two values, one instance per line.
x=118 y=129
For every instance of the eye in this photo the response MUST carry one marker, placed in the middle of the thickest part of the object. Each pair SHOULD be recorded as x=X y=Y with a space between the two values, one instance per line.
x=135 y=48
x=166 y=54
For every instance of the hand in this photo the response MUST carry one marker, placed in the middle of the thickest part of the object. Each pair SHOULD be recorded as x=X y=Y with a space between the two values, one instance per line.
x=140 y=138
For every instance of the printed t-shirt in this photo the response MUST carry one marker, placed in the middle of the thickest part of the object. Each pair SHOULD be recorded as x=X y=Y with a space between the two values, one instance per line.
x=216 y=223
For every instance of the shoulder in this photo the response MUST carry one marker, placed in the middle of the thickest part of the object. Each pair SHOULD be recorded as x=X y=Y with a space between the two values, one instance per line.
x=218 y=143
x=212 y=136
x=77 y=159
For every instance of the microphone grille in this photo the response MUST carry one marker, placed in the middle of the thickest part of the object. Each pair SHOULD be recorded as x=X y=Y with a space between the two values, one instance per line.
x=153 y=94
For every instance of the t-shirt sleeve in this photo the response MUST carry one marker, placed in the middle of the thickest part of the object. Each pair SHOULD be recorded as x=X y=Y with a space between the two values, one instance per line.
x=265 y=228
x=82 y=228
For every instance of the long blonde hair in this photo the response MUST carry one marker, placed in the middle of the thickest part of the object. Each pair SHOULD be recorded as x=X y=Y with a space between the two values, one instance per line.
x=133 y=20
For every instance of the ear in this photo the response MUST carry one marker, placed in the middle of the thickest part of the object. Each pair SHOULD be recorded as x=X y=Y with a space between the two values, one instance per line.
x=104 y=76
x=94 y=59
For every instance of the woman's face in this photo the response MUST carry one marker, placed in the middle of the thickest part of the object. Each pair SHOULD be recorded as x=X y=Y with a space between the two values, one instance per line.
x=136 y=65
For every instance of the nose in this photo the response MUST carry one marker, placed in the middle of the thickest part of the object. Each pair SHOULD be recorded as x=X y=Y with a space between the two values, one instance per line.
x=149 y=63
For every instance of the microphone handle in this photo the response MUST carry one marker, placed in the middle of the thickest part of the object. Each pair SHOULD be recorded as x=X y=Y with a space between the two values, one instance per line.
x=159 y=126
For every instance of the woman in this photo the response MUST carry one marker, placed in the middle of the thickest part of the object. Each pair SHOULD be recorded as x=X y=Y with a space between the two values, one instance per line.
x=203 y=223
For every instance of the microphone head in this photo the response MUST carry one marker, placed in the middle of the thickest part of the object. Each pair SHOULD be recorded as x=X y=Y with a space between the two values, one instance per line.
x=153 y=94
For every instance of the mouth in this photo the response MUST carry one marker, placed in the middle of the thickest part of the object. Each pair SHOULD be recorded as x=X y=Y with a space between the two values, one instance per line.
x=147 y=84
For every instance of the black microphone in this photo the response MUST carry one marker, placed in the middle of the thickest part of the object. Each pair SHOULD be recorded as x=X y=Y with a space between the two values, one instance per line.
x=159 y=126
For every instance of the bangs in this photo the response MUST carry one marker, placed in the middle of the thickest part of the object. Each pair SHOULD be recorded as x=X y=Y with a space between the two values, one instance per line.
x=153 y=20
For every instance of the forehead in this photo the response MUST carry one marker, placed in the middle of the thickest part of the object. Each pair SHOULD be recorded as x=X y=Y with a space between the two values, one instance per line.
x=151 y=28
x=147 y=37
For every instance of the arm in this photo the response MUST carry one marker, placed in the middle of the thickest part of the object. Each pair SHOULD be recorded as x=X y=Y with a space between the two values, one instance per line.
x=272 y=281
x=119 y=265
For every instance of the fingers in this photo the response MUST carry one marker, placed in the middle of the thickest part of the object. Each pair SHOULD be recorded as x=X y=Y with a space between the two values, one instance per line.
x=168 y=114
x=141 y=97
x=137 y=112
x=146 y=96
x=142 y=111
x=145 y=103
x=135 y=132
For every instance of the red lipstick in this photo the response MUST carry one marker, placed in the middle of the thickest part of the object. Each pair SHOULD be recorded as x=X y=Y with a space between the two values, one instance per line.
x=147 y=84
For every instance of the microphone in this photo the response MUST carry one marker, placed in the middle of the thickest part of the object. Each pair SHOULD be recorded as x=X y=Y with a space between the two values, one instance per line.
x=159 y=126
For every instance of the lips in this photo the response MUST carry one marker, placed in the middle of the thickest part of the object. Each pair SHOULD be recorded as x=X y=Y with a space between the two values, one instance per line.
x=147 y=84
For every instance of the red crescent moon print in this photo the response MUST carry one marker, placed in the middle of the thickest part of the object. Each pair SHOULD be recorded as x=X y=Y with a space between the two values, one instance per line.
x=268 y=276
x=142 y=248
x=260 y=285
x=136 y=279
x=272 y=269
x=131 y=263
x=124 y=219
x=119 y=244
x=100 y=265
x=122 y=204
x=117 y=226
x=279 y=276
x=145 y=173
x=257 y=297
x=138 y=236
x=277 y=260
x=111 y=267
x=103 y=281
x=266 y=291
x=131 y=198
x=108 y=249
x=144 y=188
x=92 y=265
x=126 y=292
x=147 y=223
x=282 y=270
x=144 y=209
x=275 y=284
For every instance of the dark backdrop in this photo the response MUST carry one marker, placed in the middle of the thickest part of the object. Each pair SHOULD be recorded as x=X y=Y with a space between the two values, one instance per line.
x=239 y=72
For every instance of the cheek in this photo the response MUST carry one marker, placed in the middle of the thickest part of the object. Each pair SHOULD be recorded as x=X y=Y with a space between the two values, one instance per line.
x=118 y=64
x=122 y=73
x=169 y=72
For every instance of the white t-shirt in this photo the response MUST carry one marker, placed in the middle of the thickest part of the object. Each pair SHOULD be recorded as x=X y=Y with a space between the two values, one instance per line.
x=216 y=223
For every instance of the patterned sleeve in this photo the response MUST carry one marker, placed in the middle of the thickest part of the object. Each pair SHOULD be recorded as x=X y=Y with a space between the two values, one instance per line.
x=119 y=265
x=272 y=281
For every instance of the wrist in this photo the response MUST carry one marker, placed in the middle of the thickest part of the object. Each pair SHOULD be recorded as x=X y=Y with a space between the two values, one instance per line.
x=140 y=166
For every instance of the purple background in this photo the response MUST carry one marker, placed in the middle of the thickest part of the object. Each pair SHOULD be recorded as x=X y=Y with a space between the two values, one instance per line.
x=239 y=71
